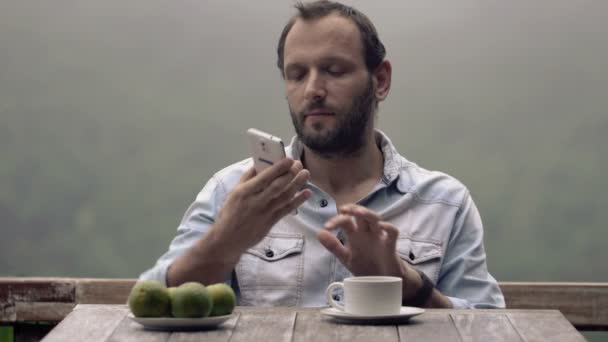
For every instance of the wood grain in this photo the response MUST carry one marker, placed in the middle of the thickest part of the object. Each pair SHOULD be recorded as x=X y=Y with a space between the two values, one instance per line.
x=131 y=331
x=443 y=328
x=312 y=326
x=473 y=327
x=103 y=291
x=88 y=323
x=36 y=290
x=264 y=325
x=42 y=311
x=584 y=304
x=221 y=334
x=546 y=326
x=102 y=323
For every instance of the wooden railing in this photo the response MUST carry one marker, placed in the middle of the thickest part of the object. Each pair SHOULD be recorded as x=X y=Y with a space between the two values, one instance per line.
x=49 y=300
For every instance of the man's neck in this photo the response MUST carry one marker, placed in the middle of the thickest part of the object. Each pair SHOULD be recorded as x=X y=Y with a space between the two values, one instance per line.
x=346 y=177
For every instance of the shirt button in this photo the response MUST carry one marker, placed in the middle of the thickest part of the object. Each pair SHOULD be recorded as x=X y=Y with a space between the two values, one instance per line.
x=323 y=203
x=269 y=253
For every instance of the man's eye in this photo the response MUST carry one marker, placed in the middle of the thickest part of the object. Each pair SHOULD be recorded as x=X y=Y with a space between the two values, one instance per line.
x=295 y=76
x=335 y=71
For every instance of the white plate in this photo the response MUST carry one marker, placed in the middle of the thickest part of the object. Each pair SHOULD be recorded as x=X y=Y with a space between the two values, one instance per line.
x=406 y=313
x=170 y=323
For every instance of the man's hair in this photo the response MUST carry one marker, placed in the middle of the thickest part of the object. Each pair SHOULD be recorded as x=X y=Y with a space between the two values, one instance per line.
x=373 y=49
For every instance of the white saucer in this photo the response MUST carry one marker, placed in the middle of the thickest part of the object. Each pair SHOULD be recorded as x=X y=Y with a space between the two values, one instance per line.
x=171 y=324
x=406 y=313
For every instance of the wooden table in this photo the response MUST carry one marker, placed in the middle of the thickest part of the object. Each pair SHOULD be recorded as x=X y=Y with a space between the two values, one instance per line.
x=94 y=323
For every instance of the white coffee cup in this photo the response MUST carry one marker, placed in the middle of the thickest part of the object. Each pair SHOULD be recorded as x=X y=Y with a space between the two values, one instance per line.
x=368 y=296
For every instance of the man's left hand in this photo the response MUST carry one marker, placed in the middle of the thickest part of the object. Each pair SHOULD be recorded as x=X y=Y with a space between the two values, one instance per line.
x=371 y=249
x=371 y=245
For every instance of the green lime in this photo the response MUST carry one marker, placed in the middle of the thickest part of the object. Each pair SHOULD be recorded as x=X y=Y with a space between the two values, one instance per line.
x=224 y=299
x=190 y=300
x=149 y=298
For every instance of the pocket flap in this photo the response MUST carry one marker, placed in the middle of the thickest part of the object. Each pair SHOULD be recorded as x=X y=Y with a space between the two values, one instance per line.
x=418 y=251
x=277 y=246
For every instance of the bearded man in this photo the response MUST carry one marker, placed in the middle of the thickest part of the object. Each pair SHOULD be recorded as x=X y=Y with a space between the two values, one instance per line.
x=363 y=209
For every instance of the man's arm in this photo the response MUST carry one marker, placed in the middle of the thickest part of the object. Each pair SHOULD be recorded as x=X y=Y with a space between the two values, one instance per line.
x=464 y=281
x=249 y=212
x=464 y=276
x=209 y=261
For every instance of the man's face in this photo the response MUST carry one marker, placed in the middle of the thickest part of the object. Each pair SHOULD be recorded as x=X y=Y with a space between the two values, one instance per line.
x=329 y=89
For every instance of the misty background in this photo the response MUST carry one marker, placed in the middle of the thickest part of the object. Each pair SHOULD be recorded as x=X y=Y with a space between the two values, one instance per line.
x=113 y=115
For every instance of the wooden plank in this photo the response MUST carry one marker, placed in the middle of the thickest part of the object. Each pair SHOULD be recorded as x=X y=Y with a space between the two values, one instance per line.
x=584 y=304
x=42 y=311
x=443 y=328
x=488 y=327
x=221 y=334
x=546 y=326
x=312 y=326
x=103 y=291
x=7 y=312
x=264 y=324
x=128 y=330
x=36 y=290
x=91 y=323
x=16 y=292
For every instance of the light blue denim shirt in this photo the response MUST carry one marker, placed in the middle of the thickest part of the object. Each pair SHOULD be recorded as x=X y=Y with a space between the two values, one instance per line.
x=441 y=234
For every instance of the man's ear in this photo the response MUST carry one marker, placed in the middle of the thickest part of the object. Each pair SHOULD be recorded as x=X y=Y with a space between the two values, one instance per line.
x=382 y=78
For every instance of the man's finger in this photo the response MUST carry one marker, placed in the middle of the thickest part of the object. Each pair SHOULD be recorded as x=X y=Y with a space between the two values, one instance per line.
x=361 y=212
x=332 y=244
x=366 y=219
x=285 y=194
x=276 y=188
x=392 y=233
x=250 y=173
x=342 y=221
x=261 y=181
x=293 y=204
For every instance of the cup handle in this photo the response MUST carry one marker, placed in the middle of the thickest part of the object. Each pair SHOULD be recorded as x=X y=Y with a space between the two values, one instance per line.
x=329 y=297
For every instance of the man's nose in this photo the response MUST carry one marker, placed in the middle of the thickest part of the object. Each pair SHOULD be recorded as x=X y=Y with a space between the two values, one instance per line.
x=315 y=87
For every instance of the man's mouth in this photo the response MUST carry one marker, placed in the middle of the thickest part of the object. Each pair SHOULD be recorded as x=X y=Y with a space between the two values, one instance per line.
x=318 y=112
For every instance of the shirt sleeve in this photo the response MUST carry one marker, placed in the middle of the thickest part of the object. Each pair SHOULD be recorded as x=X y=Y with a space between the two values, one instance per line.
x=464 y=276
x=196 y=222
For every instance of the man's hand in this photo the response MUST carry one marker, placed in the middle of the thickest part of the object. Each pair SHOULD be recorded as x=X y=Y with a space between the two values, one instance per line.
x=259 y=201
x=255 y=204
x=371 y=249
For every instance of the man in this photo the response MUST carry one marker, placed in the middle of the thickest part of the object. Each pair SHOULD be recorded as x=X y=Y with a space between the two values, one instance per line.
x=363 y=209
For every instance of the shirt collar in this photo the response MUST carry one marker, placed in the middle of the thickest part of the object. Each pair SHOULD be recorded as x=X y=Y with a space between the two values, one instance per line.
x=394 y=163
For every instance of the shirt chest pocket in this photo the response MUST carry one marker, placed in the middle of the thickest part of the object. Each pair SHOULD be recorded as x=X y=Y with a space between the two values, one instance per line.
x=424 y=255
x=270 y=273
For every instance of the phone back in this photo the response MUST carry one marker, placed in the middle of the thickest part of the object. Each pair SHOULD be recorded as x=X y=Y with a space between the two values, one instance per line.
x=265 y=149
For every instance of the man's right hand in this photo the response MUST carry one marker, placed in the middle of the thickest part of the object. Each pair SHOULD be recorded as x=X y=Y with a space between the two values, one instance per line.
x=255 y=204
x=259 y=201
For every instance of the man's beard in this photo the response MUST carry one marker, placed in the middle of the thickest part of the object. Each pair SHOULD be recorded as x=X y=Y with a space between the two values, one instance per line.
x=349 y=135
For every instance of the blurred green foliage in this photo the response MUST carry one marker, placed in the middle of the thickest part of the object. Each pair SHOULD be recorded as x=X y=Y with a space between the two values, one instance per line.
x=113 y=116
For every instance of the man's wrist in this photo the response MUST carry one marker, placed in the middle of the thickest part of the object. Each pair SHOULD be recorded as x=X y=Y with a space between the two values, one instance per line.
x=424 y=292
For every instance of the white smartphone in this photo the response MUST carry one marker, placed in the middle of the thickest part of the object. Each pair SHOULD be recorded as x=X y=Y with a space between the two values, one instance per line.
x=266 y=149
